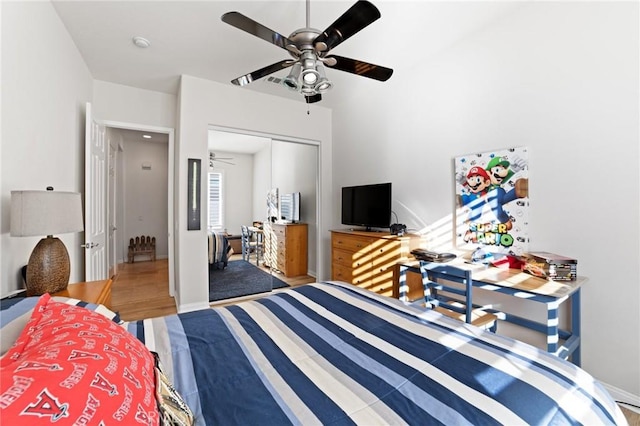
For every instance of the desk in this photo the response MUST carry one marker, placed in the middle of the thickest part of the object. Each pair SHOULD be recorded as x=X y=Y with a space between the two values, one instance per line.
x=522 y=285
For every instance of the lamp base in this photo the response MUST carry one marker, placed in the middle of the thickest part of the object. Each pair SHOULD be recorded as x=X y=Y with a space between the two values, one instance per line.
x=48 y=269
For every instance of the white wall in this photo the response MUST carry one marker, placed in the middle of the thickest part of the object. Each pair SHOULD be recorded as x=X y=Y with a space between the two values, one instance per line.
x=45 y=84
x=295 y=170
x=145 y=193
x=560 y=78
x=262 y=182
x=238 y=190
x=116 y=102
x=203 y=103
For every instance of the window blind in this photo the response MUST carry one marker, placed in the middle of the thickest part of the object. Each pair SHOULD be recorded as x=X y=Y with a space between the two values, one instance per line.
x=216 y=220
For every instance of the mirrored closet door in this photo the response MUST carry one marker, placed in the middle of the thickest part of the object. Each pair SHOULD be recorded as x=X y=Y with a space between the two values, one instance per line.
x=267 y=189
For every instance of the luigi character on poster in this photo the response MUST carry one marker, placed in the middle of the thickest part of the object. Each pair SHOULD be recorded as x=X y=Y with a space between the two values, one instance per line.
x=492 y=194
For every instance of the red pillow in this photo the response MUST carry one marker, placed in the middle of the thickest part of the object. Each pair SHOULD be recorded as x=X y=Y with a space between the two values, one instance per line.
x=73 y=366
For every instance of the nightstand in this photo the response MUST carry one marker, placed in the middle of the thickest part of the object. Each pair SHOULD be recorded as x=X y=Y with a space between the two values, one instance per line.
x=98 y=292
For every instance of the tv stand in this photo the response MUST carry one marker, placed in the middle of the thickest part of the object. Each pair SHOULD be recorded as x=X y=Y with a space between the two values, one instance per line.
x=368 y=258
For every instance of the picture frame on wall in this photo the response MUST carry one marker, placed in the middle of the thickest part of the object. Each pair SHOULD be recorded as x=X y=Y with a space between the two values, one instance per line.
x=194 y=177
x=492 y=201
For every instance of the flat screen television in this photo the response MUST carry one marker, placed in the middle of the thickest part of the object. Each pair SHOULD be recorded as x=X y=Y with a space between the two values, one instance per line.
x=290 y=207
x=367 y=205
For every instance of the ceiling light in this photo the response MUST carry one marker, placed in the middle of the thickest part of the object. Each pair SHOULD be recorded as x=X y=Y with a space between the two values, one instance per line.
x=310 y=76
x=307 y=76
x=292 y=80
x=309 y=73
x=323 y=84
x=146 y=136
x=141 y=42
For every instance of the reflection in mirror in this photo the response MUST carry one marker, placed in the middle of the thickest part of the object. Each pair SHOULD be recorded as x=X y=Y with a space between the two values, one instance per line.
x=256 y=173
x=243 y=165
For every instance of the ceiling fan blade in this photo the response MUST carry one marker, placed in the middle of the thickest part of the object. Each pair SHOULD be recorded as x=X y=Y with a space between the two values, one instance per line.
x=364 y=69
x=353 y=20
x=243 y=80
x=238 y=20
x=313 y=98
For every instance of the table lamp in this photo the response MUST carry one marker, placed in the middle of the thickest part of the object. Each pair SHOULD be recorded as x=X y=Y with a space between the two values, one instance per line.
x=44 y=213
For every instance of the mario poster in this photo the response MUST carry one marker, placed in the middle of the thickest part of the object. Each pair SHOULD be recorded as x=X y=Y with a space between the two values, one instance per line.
x=492 y=201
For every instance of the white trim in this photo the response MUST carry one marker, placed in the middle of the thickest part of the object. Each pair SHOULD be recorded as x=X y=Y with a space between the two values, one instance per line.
x=192 y=307
x=623 y=396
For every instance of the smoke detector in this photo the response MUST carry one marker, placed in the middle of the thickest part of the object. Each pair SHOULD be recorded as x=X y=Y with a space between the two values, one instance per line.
x=141 y=42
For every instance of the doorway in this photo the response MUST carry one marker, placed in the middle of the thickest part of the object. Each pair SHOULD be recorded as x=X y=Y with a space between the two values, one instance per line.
x=140 y=195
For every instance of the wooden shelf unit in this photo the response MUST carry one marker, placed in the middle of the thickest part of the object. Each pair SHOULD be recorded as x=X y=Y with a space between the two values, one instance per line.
x=286 y=248
x=368 y=259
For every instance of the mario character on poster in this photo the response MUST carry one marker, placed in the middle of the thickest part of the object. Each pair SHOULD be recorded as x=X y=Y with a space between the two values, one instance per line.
x=492 y=197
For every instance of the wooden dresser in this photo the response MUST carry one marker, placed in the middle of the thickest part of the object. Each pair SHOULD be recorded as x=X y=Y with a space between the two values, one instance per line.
x=368 y=259
x=286 y=245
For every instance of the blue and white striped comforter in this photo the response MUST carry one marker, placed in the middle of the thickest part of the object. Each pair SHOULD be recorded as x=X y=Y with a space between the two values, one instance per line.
x=331 y=353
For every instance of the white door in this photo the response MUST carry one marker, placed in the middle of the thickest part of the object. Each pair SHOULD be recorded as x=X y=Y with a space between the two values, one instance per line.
x=95 y=187
x=112 y=227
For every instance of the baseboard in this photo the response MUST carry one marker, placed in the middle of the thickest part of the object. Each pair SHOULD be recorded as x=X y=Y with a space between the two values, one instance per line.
x=624 y=397
x=192 y=307
x=158 y=257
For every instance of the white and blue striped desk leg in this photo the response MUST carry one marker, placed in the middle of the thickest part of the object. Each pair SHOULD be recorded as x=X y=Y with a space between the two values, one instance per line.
x=575 y=326
x=553 y=336
x=403 y=288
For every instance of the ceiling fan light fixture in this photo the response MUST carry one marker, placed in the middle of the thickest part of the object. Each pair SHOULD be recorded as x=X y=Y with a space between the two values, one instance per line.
x=292 y=80
x=323 y=84
x=309 y=74
x=310 y=77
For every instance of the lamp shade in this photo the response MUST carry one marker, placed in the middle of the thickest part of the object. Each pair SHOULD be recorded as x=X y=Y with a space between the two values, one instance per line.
x=39 y=213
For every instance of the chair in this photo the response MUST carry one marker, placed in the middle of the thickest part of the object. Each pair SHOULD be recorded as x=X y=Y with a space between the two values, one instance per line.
x=448 y=290
x=249 y=245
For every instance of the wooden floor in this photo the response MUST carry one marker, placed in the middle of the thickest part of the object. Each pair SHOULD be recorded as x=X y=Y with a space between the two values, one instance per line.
x=140 y=290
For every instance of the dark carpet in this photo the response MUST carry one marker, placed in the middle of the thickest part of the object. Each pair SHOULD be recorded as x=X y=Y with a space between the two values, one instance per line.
x=240 y=278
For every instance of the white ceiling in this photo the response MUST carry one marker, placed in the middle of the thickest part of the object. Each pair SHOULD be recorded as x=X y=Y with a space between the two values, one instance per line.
x=188 y=37
x=138 y=136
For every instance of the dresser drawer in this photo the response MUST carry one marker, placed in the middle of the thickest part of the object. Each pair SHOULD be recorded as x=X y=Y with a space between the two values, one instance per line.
x=357 y=276
x=279 y=232
x=385 y=248
x=350 y=259
x=352 y=243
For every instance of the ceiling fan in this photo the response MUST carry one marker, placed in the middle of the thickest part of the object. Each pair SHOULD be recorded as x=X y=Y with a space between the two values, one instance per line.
x=213 y=158
x=310 y=51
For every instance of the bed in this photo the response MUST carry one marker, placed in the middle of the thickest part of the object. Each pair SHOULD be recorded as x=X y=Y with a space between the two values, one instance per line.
x=219 y=250
x=332 y=353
